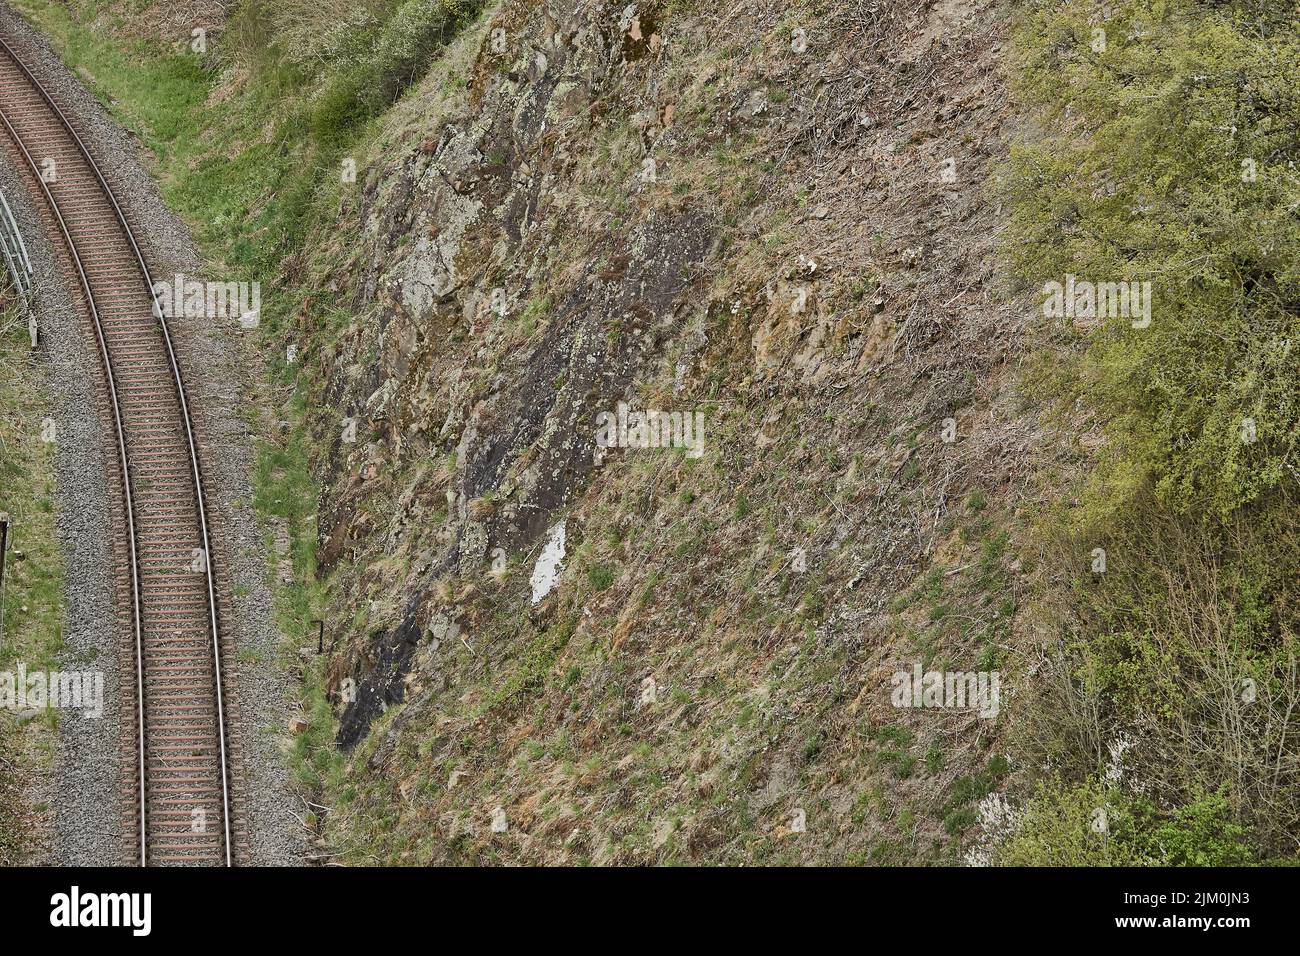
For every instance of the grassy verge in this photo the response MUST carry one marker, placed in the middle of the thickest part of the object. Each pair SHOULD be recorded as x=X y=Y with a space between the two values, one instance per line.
x=285 y=493
x=1171 y=577
x=33 y=586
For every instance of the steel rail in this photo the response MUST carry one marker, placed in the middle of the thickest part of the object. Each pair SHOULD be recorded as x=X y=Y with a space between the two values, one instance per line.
x=126 y=482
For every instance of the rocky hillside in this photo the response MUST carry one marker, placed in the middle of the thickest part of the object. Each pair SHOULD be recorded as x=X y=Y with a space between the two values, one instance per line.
x=778 y=222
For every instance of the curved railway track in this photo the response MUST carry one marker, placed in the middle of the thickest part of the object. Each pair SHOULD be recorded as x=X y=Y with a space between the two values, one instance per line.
x=180 y=806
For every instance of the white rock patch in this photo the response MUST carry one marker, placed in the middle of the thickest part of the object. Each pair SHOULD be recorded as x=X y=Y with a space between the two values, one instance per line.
x=549 y=565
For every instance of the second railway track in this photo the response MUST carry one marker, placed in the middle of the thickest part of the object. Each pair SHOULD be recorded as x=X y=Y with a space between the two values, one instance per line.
x=180 y=807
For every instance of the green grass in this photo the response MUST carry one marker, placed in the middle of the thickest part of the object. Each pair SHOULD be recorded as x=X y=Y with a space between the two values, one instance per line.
x=33 y=599
x=958 y=812
x=33 y=610
x=601 y=576
x=284 y=491
x=160 y=97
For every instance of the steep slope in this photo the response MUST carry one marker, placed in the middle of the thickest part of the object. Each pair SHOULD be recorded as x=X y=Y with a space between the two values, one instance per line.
x=775 y=221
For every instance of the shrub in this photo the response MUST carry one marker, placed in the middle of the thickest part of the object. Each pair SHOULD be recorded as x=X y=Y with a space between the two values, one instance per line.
x=1173 y=163
x=1092 y=825
x=1180 y=99
x=383 y=62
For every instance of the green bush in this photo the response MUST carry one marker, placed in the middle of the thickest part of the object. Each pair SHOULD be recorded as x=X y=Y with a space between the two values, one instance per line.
x=1201 y=833
x=1173 y=130
x=1184 y=102
x=383 y=62
x=1092 y=825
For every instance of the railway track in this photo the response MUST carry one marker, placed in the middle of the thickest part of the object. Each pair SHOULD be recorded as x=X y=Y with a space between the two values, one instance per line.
x=179 y=809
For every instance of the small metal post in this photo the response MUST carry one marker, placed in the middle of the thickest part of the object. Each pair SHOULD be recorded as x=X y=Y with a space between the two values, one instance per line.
x=320 y=636
x=4 y=547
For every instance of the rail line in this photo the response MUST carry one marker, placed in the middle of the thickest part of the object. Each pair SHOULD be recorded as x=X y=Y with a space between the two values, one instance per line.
x=181 y=783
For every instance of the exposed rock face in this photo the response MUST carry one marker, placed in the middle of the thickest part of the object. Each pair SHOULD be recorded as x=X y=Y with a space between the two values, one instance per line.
x=462 y=237
x=384 y=685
